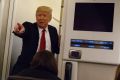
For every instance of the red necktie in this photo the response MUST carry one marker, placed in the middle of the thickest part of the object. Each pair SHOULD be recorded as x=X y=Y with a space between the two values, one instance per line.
x=43 y=41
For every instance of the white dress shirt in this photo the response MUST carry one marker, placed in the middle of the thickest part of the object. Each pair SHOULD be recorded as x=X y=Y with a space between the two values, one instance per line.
x=47 y=38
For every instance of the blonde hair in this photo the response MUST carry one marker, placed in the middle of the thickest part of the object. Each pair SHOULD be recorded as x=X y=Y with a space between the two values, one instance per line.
x=44 y=9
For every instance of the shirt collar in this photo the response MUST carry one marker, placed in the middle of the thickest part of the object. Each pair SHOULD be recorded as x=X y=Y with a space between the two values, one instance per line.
x=46 y=29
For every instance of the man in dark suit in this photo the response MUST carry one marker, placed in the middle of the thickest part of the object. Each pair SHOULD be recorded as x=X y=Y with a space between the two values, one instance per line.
x=31 y=36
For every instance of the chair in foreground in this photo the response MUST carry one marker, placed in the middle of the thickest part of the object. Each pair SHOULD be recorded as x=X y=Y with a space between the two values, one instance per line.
x=23 y=78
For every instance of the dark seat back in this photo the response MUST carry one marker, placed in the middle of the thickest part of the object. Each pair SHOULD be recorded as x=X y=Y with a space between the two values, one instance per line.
x=23 y=78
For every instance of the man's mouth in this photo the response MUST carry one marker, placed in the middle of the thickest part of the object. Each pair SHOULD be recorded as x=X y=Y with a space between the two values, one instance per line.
x=41 y=22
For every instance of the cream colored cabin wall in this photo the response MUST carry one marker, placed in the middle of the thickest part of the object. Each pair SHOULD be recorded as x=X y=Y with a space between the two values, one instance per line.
x=92 y=71
x=86 y=70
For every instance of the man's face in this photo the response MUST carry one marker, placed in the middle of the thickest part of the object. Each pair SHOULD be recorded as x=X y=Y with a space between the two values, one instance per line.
x=43 y=18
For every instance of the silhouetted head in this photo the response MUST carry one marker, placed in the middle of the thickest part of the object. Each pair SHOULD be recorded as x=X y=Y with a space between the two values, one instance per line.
x=45 y=59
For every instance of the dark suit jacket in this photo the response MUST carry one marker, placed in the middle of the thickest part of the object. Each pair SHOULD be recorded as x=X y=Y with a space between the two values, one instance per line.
x=30 y=43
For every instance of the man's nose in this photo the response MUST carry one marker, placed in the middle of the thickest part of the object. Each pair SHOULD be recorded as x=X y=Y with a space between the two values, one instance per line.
x=42 y=17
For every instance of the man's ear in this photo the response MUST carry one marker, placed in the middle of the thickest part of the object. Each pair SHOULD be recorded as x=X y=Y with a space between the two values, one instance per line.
x=50 y=17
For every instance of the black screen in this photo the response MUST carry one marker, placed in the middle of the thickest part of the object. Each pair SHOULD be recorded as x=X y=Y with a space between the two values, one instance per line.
x=94 y=17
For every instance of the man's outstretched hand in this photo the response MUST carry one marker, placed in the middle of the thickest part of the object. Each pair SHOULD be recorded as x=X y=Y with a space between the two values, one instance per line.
x=19 y=28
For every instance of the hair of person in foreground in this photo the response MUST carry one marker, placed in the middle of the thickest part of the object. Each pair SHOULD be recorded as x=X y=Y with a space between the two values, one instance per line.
x=45 y=59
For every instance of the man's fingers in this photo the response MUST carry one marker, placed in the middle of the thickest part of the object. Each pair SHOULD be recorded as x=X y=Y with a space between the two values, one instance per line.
x=22 y=30
x=19 y=28
x=16 y=28
x=20 y=25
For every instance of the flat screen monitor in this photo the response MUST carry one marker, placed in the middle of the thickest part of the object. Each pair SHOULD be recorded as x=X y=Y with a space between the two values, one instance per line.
x=94 y=17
